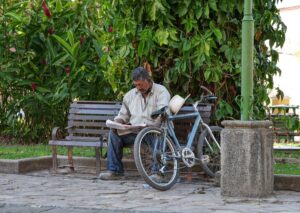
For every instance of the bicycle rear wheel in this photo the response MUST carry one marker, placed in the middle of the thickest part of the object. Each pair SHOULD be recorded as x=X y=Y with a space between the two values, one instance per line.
x=160 y=169
x=207 y=147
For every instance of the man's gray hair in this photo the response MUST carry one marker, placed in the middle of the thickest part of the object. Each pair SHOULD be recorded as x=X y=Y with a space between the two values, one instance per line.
x=140 y=73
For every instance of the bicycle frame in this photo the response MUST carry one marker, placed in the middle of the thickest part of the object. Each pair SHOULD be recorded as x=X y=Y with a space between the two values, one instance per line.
x=198 y=122
x=171 y=132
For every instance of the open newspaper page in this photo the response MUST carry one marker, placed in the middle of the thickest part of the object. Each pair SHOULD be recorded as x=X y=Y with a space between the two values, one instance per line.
x=124 y=128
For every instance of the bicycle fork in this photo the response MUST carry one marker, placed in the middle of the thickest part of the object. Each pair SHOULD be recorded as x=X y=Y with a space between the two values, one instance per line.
x=213 y=137
x=164 y=156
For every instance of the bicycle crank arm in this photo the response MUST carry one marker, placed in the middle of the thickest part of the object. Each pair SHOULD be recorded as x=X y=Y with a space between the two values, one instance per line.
x=204 y=159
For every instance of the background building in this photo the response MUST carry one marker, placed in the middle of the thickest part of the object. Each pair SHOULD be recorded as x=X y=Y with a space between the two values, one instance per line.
x=289 y=58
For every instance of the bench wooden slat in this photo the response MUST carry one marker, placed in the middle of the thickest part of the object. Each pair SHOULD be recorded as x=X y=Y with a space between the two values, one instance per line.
x=87 y=131
x=95 y=111
x=82 y=138
x=90 y=117
x=88 y=124
x=95 y=106
x=95 y=102
x=75 y=143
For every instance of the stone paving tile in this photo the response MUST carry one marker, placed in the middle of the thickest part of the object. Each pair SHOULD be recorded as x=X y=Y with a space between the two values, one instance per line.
x=44 y=192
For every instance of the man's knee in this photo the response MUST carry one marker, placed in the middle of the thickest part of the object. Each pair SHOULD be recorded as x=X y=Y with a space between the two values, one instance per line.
x=114 y=138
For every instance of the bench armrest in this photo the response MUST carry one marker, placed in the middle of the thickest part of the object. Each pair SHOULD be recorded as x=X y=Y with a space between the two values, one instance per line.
x=104 y=140
x=56 y=133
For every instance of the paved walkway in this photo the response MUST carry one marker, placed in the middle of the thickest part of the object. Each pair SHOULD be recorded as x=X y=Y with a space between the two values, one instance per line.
x=44 y=192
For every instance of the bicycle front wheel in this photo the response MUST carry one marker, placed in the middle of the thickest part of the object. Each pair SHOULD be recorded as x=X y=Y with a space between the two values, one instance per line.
x=158 y=166
x=208 y=148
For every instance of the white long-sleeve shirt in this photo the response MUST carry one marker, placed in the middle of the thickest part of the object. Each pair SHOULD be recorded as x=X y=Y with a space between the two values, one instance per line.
x=139 y=109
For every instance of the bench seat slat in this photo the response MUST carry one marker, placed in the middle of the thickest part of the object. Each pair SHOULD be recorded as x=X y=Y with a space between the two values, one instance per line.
x=88 y=131
x=76 y=143
x=82 y=138
x=74 y=124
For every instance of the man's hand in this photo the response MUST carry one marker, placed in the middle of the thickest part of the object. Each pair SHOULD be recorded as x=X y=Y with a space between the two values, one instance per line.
x=119 y=120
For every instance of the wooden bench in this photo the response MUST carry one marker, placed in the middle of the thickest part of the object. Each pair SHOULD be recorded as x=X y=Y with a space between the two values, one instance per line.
x=86 y=127
x=279 y=114
x=281 y=131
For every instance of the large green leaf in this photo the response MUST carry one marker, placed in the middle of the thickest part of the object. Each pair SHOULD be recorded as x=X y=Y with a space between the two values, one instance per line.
x=97 y=48
x=162 y=36
x=59 y=6
x=60 y=59
x=75 y=49
x=14 y=15
x=64 y=44
x=124 y=51
x=155 y=7
x=70 y=37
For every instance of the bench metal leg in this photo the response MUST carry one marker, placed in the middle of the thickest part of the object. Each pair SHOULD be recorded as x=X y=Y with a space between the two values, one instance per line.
x=98 y=161
x=54 y=158
x=70 y=158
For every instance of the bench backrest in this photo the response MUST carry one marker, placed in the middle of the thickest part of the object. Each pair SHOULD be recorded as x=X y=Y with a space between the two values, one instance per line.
x=86 y=119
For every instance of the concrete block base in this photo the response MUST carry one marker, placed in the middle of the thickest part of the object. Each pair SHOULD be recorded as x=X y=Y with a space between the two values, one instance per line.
x=246 y=159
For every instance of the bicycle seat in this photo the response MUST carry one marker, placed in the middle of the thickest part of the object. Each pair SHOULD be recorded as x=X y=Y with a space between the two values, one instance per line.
x=156 y=113
x=211 y=97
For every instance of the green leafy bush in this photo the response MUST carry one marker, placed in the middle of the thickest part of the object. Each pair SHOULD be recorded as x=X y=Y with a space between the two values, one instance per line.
x=50 y=56
x=55 y=51
x=192 y=43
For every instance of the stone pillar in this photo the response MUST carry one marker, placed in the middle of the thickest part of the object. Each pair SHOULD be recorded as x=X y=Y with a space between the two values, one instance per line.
x=247 y=159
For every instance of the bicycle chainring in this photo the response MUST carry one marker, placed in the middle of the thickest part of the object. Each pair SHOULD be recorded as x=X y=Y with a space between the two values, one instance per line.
x=188 y=157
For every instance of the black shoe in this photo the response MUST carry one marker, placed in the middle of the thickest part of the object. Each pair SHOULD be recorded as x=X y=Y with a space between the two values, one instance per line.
x=110 y=175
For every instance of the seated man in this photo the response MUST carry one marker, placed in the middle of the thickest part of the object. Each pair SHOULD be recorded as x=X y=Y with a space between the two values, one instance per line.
x=138 y=104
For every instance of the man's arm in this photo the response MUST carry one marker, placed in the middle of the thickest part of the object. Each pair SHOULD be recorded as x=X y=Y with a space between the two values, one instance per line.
x=124 y=113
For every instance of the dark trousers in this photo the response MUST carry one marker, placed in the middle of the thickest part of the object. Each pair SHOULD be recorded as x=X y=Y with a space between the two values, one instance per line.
x=116 y=143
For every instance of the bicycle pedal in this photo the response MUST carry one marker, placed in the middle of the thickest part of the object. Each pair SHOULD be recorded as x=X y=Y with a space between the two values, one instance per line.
x=205 y=159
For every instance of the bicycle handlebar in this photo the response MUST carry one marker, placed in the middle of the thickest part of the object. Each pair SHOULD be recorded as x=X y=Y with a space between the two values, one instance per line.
x=208 y=97
x=207 y=90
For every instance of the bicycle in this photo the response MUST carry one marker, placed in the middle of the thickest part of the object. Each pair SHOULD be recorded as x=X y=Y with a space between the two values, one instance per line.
x=157 y=151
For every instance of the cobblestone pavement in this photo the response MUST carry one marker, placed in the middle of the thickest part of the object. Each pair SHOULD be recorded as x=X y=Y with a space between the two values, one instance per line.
x=44 y=192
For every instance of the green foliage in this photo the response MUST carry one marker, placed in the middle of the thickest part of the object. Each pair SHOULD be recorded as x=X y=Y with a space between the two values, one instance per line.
x=291 y=123
x=193 y=43
x=47 y=62
x=66 y=50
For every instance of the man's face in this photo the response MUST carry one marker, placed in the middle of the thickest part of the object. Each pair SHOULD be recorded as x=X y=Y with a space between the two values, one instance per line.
x=142 y=85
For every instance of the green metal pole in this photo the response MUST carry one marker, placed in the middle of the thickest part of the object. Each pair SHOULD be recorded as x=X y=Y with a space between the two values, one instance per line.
x=247 y=61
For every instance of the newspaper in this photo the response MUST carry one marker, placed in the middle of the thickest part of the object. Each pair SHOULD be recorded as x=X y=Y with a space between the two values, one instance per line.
x=124 y=128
